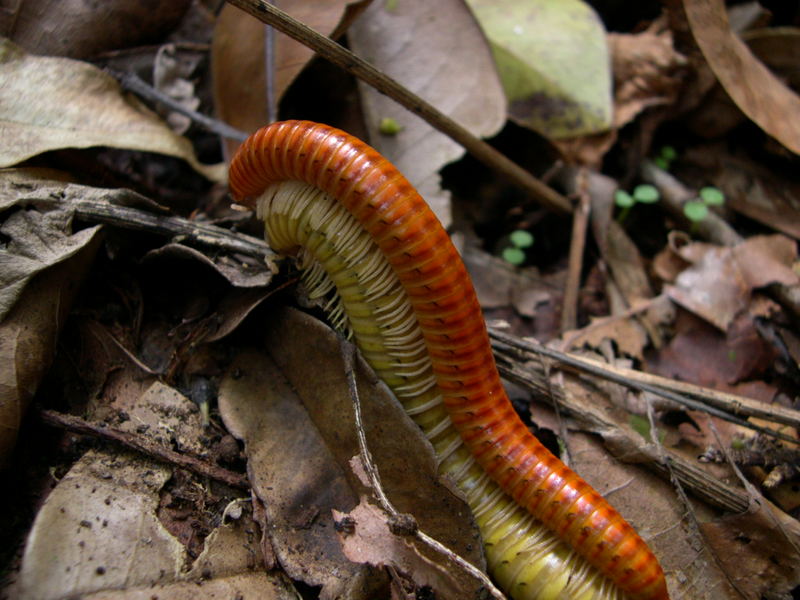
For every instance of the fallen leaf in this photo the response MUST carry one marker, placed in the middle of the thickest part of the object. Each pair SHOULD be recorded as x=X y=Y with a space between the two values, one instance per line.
x=299 y=454
x=719 y=283
x=242 y=273
x=292 y=473
x=754 y=89
x=758 y=551
x=98 y=530
x=36 y=241
x=458 y=78
x=82 y=30
x=238 y=57
x=701 y=354
x=40 y=271
x=373 y=541
x=53 y=103
x=646 y=70
x=264 y=586
x=553 y=60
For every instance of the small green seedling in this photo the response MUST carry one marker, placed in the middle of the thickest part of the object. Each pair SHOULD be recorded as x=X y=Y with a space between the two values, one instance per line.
x=515 y=253
x=696 y=210
x=665 y=157
x=644 y=194
x=389 y=126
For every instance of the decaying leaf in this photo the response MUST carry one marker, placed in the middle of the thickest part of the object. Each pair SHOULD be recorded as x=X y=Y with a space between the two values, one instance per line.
x=553 y=60
x=53 y=103
x=292 y=473
x=438 y=52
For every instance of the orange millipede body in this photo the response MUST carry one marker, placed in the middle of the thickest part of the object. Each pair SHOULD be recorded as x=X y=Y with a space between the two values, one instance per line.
x=439 y=289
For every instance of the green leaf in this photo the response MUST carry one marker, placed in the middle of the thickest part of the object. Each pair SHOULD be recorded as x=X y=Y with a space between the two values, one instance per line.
x=646 y=193
x=623 y=199
x=553 y=61
x=712 y=196
x=695 y=210
x=515 y=256
x=521 y=238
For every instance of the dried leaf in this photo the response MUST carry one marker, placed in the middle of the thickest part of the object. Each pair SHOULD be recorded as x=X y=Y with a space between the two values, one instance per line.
x=756 y=91
x=439 y=53
x=758 y=551
x=718 y=284
x=373 y=542
x=646 y=69
x=98 y=530
x=701 y=354
x=303 y=454
x=40 y=270
x=84 y=29
x=36 y=241
x=239 y=53
x=293 y=474
x=553 y=59
x=54 y=103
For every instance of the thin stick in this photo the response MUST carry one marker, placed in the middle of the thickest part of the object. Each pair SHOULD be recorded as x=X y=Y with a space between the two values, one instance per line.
x=203 y=234
x=131 y=82
x=146 y=447
x=621 y=376
x=580 y=219
x=330 y=50
x=348 y=355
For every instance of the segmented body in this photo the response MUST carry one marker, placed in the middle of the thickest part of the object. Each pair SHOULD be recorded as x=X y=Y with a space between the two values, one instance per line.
x=402 y=290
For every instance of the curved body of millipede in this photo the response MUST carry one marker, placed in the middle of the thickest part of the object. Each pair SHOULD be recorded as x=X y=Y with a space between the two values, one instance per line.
x=372 y=248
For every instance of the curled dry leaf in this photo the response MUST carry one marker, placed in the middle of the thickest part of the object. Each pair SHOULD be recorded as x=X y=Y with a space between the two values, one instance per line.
x=54 y=103
x=756 y=91
x=438 y=52
x=299 y=457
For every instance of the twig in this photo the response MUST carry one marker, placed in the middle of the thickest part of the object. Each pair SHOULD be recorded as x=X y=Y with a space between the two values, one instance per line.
x=174 y=227
x=580 y=220
x=348 y=355
x=131 y=82
x=674 y=195
x=330 y=50
x=269 y=62
x=506 y=344
x=146 y=447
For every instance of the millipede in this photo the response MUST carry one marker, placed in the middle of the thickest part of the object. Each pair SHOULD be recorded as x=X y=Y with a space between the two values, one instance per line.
x=373 y=252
